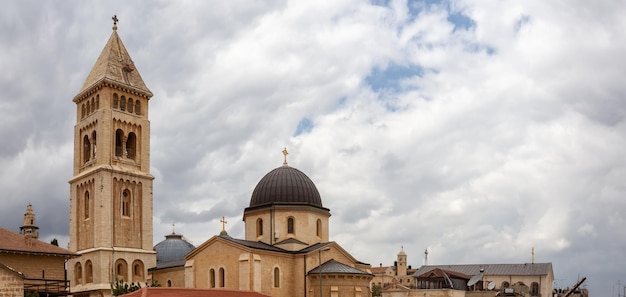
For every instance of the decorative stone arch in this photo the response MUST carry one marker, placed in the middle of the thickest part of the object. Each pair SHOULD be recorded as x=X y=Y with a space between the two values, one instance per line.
x=127 y=203
x=222 y=277
x=115 y=100
x=119 y=142
x=138 y=271
x=318 y=228
x=276 y=276
x=131 y=145
x=534 y=289
x=88 y=272
x=86 y=149
x=87 y=202
x=137 y=107
x=78 y=273
x=212 y=278
x=130 y=105
x=259 y=227
x=121 y=270
x=291 y=225
x=123 y=103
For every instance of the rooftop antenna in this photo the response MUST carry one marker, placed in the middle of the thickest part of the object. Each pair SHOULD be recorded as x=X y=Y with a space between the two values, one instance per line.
x=426 y=257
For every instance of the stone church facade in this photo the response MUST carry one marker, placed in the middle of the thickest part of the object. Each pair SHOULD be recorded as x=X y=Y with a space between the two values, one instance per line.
x=286 y=250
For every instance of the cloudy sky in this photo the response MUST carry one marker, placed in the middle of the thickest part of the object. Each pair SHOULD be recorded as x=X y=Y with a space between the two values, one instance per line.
x=475 y=129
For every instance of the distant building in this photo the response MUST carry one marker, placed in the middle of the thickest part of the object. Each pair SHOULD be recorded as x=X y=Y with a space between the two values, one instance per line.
x=170 y=266
x=400 y=273
x=30 y=265
x=528 y=279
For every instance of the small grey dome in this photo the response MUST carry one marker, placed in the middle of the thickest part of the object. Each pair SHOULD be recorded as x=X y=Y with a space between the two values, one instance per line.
x=173 y=248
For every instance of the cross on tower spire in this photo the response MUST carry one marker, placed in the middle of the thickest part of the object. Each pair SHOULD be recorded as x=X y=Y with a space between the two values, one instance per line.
x=223 y=221
x=115 y=20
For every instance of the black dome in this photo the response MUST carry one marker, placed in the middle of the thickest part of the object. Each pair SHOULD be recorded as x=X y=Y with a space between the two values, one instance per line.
x=285 y=185
x=173 y=248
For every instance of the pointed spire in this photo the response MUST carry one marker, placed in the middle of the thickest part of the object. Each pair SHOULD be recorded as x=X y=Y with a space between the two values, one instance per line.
x=115 y=66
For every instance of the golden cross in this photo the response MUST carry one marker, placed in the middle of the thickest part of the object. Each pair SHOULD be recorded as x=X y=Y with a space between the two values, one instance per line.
x=285 y=152
x=223 y=221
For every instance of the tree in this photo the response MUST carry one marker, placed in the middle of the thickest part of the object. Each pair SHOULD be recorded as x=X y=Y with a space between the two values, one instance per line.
x=120 y=287
x=377 y=291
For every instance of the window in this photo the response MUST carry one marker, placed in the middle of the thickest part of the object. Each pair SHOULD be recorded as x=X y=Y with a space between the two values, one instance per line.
x=93 y=106
x=137 y=107
x=259 y=227
x=119 y=135
x=169 y=283
x=86 y=205
x=319 y=228
x=276 y=277
x=222 y=281
x=88 y=272
x=130 y=105
x=82 y=113
x=131 y=145
x=86 y=149
x=138 y=271
x=212 y=277
x=534 y=289
x=93 y=145
x=290 y=226
x=123 y=103
x=126 y=203
x=121 y=270
x=97 y=101
x=115 y=99
x=78 y=273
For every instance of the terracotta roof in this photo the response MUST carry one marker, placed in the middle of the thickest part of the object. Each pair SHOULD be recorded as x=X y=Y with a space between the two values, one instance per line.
x=492 y=269
x=11 y=242
x=188 y=292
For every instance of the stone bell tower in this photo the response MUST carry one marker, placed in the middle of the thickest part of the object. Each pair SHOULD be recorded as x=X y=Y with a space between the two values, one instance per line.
x=111 y=187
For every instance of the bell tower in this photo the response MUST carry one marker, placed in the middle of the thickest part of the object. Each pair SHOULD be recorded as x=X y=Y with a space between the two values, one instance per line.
x=111 y=187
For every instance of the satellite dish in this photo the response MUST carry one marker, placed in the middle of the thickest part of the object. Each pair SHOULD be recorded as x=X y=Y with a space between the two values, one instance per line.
x=474 y=279
x=491 y=285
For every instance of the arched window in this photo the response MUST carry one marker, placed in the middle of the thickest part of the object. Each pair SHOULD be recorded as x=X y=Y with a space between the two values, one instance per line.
x=169 y=282
x=137 y=107
x=131 y=144
x=212 y=277
x=259 y=227
x=88 y=272
x=130 y=105
x=87 y=203
x=119 y=136
x=534 y=289
x=126 y=203
x=86 y=149
x=78 y=273
x=505 y=285
x=138 y=271
x=121 y=270
x=319 y=228
x=82 y=113
x=123 y=103
x=276 y=277
x=115 y=99
x=93 y=145
x=93 y=105
x=290 y=226
x=222 y=280
x=97 y=101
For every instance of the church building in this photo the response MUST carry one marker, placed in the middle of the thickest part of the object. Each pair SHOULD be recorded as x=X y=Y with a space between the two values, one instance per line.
x=286 y=250
x=111 y=187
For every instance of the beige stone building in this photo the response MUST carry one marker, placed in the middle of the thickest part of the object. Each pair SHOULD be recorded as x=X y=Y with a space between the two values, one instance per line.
x=400 y=273
x=286 y=250
x=30 y=265
x=111 y=187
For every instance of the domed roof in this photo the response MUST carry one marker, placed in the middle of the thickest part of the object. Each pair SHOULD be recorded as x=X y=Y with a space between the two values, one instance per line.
x=285 y=185
x=173 y=248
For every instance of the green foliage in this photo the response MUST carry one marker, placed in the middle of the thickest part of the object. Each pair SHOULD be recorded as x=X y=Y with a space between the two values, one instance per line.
x=377 y=291
x=31 y=294
x=155 y=283
x=120 y=287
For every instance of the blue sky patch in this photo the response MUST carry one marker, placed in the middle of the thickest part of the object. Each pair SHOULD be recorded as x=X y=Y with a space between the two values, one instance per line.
x=390 y=77
x=460 y=21
x=304 y=126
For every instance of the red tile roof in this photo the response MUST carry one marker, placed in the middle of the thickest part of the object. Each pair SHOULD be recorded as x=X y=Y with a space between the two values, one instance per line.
x=11 y=242
x=189 y=292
